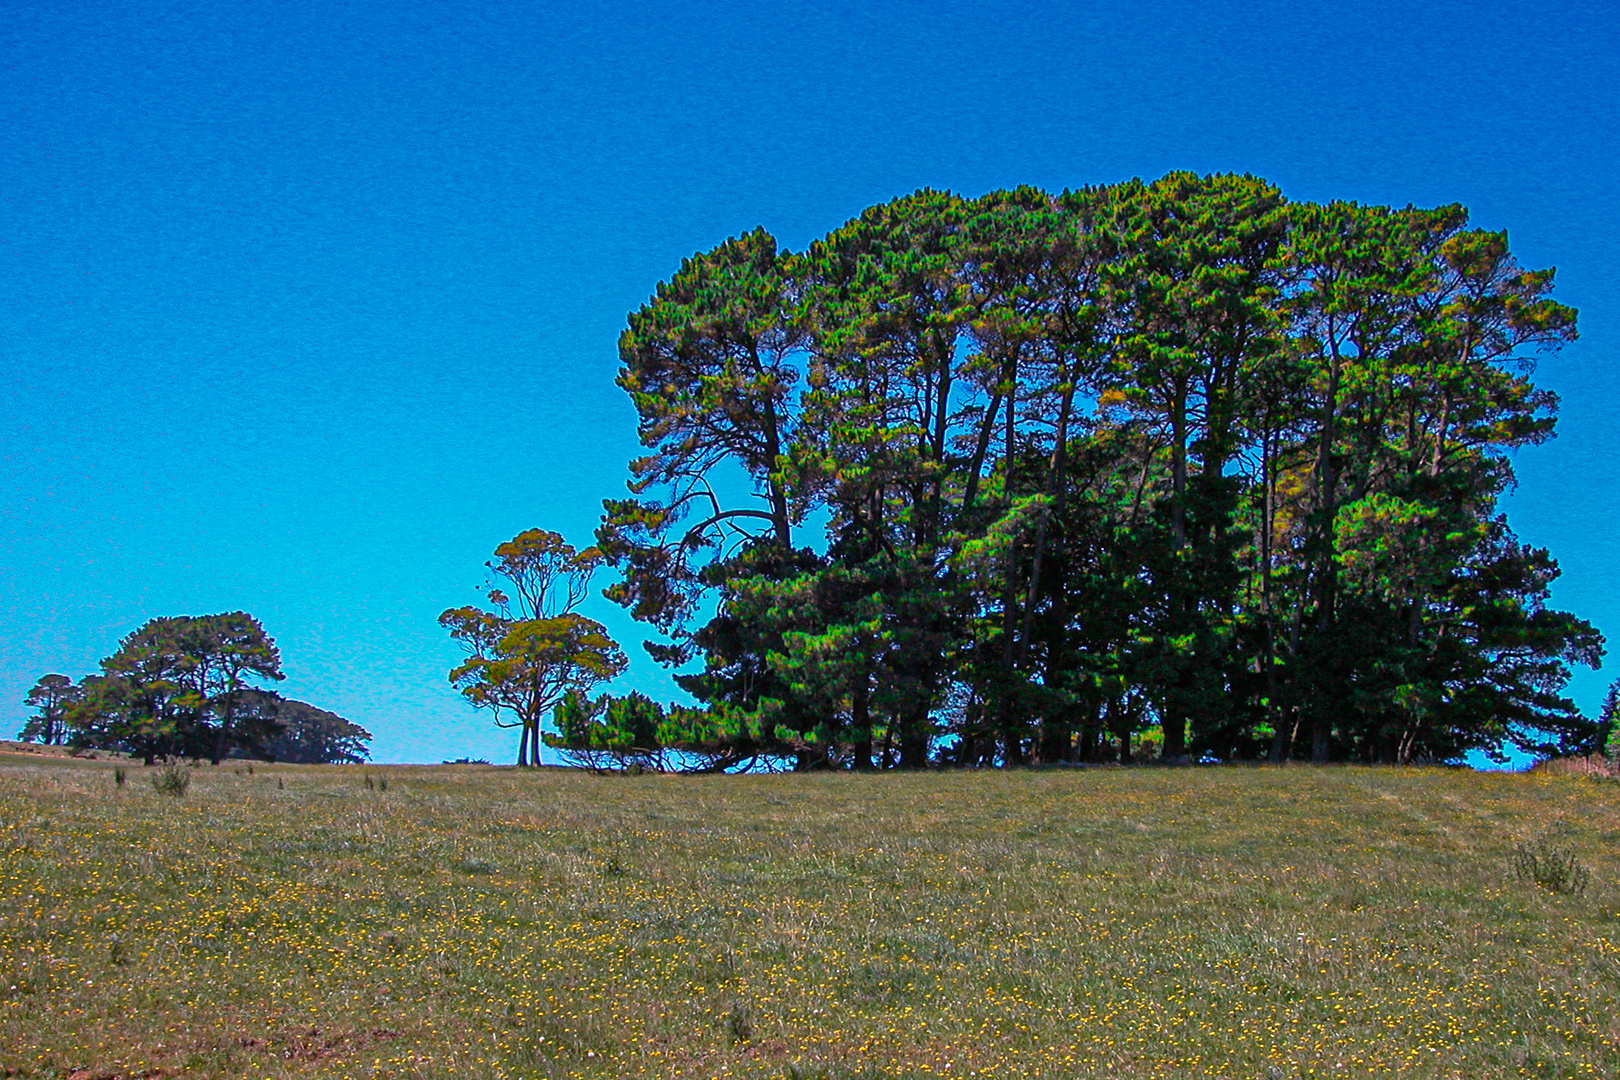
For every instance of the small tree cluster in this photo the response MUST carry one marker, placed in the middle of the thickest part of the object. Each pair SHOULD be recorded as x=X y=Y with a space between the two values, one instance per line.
x=306 y=735
x=184 y=686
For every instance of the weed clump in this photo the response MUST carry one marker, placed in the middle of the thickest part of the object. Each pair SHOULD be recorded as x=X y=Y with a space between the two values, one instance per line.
x=1551 y=864
x=172 y=779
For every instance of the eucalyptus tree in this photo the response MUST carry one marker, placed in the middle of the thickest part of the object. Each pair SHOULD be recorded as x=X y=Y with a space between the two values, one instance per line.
x=531 y=648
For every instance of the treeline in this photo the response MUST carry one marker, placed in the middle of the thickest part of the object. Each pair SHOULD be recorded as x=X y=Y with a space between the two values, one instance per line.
x=182 y=687
x=1034 y=478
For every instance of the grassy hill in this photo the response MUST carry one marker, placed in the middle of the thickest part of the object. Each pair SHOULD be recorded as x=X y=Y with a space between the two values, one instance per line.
x=472 y=921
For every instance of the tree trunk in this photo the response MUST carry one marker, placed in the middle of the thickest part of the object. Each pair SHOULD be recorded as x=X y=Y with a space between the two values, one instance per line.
x=914 y=741
x=860 y=717
x=1057 y=736
x=1173 y=722
x=1319 y=740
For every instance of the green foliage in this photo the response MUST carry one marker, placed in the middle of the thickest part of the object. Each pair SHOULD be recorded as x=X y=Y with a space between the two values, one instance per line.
x=624 y=732
x=183 y=687
x=54 y=697
x=307 y=735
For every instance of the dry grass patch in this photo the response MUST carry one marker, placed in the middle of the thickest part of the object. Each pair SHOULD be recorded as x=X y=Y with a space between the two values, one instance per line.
x=475 y=921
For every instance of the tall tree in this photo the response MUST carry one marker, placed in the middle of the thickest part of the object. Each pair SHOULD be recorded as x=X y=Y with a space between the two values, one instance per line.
x=53 y=696
x=1043 y=329
x=890 y=309
x=710 y=364
x=1197 y=279
x=1420 y=330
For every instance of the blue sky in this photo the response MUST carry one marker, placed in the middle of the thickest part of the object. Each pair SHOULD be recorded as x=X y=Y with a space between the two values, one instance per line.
x=307 y=307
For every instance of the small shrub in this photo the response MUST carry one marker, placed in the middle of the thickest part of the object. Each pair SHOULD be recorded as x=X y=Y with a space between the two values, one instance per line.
x=1552 y=865
x=738 y=1023
x=172 y=779
x=796 y=1071
x=119 y=775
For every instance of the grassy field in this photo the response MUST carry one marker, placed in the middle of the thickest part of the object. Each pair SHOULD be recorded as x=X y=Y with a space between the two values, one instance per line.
x=469 y=921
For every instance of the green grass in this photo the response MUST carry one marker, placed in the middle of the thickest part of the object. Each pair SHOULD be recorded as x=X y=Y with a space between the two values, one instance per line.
x=478 y=922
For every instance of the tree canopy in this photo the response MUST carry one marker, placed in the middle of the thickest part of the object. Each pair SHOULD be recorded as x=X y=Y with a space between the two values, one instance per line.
x=307 y=735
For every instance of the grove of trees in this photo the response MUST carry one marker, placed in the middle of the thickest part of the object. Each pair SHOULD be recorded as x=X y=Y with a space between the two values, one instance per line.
x=1179 y=467
x=183 y=686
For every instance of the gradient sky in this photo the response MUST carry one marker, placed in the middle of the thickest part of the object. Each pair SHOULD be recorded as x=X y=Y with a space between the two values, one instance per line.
x=309 y=306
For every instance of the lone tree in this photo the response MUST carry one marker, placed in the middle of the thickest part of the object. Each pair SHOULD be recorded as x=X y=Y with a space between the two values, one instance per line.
x=534 y=647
